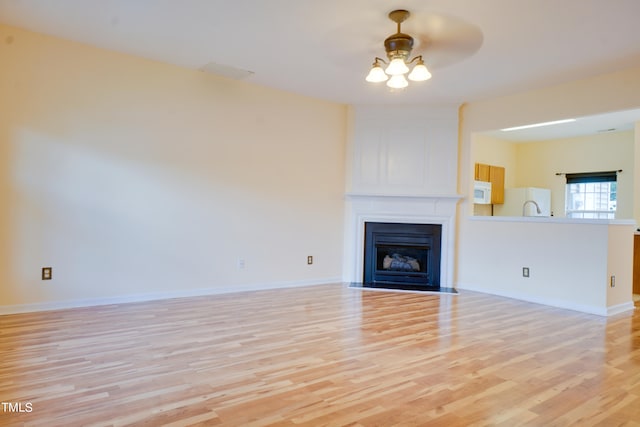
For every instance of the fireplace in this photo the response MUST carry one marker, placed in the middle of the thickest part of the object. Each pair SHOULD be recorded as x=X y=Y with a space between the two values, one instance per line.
x=402 y=255
x=437 y=210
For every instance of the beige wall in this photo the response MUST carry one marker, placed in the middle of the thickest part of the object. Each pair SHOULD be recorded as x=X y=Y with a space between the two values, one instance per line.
x=133 y=177
x=619 y=265
x=636 y=174
x=570 y=263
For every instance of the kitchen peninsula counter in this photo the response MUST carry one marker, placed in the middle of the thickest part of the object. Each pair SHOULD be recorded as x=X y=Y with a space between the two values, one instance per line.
x=554 y=220
x=579 y=264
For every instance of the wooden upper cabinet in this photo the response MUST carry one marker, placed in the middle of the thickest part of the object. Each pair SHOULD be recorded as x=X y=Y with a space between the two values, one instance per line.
x=482 y=172
x=494 y=175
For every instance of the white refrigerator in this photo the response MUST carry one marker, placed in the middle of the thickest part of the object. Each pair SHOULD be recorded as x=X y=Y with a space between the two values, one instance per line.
x=515 y=198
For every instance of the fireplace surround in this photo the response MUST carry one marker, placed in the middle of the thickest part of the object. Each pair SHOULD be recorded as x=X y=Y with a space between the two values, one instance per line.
x=400 y=209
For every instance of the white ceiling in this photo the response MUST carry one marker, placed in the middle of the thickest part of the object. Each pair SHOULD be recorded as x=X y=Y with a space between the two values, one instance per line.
x=617 y=121
x=324 y=48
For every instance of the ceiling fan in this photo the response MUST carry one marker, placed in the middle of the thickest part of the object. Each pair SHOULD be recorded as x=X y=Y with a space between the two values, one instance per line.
x=448 y=39
x=398 y=47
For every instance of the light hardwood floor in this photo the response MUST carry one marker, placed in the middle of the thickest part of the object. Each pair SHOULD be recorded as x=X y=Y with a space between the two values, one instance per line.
x=321 y=355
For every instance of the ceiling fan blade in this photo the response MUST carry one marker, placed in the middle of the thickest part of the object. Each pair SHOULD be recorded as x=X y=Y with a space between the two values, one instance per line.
x=444 y=40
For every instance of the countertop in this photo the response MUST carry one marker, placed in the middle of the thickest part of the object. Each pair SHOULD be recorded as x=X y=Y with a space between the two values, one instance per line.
x=553 y=220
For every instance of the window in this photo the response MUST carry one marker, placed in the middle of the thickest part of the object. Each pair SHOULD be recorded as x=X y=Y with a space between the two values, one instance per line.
x=591 y=195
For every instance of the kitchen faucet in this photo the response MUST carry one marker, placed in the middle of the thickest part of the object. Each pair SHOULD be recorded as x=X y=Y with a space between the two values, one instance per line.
x=524 y=205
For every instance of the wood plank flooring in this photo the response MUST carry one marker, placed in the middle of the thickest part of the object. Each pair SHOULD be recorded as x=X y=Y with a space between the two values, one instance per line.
x=321 y=356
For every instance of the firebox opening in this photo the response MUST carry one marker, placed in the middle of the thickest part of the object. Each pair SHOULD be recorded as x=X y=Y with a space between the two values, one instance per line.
x=401 y=259
x=402 y=254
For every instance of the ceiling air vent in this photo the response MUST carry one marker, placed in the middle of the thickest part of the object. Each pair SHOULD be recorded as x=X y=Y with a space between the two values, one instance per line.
x=226 y=71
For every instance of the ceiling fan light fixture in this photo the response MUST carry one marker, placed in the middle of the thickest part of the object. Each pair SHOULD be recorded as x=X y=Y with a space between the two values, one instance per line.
x=376 y=74
x=420 y=73
x=398 y=49
x=397 y=82
x=397 y=66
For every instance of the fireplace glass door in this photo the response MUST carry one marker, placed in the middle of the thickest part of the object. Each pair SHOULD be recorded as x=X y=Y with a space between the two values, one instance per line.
x=397 y=253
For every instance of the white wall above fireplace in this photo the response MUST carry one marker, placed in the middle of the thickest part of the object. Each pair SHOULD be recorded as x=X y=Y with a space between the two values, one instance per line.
x=403 y=150
x=402 y=167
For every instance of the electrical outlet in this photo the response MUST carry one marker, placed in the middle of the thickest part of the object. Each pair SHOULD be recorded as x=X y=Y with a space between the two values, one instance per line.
x=310 y=259
x=47 y=273
x=613 y=281
x=241 y=264
x=525 y=271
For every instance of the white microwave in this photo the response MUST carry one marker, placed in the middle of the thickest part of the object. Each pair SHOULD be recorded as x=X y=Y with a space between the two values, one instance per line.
x=482 y=192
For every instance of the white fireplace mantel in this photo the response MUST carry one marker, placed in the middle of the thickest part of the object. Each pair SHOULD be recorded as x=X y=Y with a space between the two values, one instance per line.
x=382 y=196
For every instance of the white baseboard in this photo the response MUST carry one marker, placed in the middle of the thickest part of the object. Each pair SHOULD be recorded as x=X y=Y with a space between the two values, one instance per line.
x=620 y=308
x=91 y=302
x=60 y=305
x=590 y=309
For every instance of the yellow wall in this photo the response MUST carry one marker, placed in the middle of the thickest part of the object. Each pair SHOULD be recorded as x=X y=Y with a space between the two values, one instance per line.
x=538 y=163
x=535 y=164
x=133 y=177
x=493 y=151
x=496 y=152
